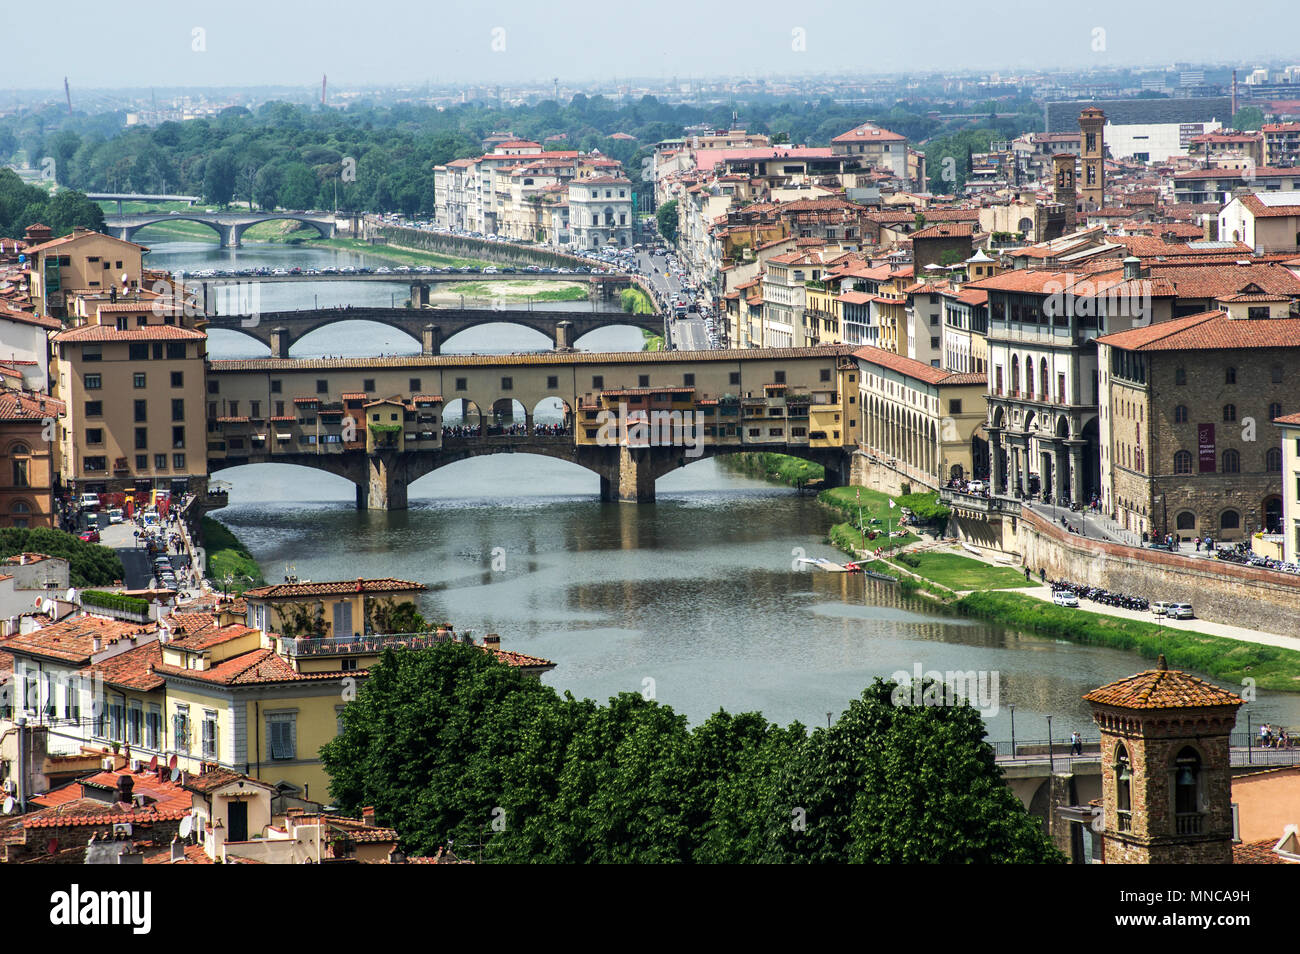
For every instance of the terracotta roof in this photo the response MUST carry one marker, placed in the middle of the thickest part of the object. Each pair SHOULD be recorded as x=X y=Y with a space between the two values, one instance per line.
x=30 y=318
x=73 y=639
x=519 y=660
x=1261 y=211
x=514 y=360
x=200 y=631
x=1209 y=331
x=1290 y=420
x=131 y=669
x=216 y=778
x=1162 y=688
x=336 y=588
x=1258 y=853
x=258 y=666
x=22 y=405
x=916 y=369
x=147 y=333
x=945 y=230
x=869 y=132
x=74 y=236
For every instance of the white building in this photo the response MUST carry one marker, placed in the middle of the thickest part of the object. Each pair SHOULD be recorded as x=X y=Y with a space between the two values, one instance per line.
x=600 y=212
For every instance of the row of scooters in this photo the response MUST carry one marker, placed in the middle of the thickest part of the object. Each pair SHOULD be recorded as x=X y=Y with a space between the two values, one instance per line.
x=1098 y=595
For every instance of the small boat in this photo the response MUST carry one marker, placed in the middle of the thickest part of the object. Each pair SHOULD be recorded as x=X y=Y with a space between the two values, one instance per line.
x=859 y=568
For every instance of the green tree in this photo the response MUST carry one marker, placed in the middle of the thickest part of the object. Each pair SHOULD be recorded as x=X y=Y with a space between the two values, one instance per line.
x=219 y=178
x=1248 y=117
x=666 y=217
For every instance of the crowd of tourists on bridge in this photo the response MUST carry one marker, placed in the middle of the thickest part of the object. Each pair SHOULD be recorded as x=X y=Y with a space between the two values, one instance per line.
x=512 y=430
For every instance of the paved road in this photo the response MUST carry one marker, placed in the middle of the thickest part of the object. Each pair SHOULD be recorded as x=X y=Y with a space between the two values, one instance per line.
x=136 y=563
x=1043 y=592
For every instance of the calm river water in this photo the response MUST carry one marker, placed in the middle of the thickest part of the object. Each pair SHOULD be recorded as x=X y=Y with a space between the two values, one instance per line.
x=695 y=597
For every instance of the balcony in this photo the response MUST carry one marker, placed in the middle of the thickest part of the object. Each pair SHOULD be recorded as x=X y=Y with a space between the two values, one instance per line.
x=977 y=504
x=369 y=644
x=1188 y=823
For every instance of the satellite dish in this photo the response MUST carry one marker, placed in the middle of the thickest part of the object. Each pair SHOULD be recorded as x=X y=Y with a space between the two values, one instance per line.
x=187 y=826
x=72 y=595
x=9 y=804
x=48 y=607
x=171 y=762
x=153 y=764
x=176 y=773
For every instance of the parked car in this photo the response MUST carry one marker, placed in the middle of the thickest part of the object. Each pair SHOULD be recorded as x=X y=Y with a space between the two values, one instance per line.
x=89 y=500
x=115 y=515
x=1180 y=611
x=1160 y=607
x=1065 y=598
x=89 y=536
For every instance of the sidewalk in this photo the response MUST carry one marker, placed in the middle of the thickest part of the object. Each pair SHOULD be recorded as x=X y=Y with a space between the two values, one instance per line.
x=1044 y=592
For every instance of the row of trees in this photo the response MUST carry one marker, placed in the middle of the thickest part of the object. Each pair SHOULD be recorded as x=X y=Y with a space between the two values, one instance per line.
x=451 y=746
x=89 y=564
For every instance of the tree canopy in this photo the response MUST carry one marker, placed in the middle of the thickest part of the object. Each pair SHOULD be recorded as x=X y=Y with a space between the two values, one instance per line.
x=89 y=564
x=450 y=745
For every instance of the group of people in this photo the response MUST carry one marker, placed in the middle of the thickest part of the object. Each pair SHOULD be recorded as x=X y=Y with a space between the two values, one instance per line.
x=518 y=430
x=1269 y=739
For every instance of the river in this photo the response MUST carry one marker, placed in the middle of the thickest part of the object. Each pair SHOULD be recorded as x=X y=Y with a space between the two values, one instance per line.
x=694 y=599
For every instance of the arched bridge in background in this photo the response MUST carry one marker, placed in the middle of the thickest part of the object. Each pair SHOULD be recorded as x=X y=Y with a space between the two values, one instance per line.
x=278 y=330
x=229 y=226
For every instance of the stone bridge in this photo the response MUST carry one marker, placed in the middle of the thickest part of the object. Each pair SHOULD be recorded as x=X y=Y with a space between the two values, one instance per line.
x=278 y=330
x=334 y=414
x=383 y=479
x=229 y=226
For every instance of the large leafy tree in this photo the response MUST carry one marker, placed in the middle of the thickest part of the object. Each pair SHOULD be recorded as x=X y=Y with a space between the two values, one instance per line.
x=450 y=745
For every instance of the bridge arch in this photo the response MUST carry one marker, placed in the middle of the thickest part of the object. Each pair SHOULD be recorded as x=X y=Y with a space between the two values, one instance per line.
x=129 y=232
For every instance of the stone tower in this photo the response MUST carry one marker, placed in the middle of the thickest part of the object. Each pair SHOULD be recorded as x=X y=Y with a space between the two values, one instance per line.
x=1166 y=779
x=1064 y=190
x=1092 y=122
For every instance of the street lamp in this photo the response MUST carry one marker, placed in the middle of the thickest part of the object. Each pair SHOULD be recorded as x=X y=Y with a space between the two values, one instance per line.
x=1013 y=729
x=1051 y=755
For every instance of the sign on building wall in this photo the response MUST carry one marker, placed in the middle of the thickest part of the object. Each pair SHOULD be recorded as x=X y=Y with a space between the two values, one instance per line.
x=1205 y=443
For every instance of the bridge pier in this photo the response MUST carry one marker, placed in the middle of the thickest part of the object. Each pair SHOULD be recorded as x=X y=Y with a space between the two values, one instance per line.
x=419 y=295
x=431 y=339
x=386 y=484
x=633 y=476
x=564 y=336
x=280 y=343
x=230 y=235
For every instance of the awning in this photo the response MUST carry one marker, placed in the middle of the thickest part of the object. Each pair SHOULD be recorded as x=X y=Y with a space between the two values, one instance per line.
x=281 y=437
x=259 y=437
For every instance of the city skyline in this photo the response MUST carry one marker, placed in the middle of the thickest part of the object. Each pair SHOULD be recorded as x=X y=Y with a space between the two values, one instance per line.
x=241 y=45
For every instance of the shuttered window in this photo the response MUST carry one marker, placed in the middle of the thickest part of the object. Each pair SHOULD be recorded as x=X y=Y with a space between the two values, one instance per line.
x=282 y=735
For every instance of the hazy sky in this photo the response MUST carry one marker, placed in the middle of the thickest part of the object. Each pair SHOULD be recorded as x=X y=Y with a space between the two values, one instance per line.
x=391 y=42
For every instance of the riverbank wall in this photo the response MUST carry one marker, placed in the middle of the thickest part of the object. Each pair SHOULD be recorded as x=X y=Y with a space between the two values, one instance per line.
x=1243 y=596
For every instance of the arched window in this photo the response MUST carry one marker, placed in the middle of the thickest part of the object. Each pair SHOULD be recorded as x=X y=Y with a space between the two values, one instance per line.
x=1123 y=789
x=1015 y=375
x=1273 y=460
x=1230 y=520
x=1186 y=520
x=1180 y=414
x=21 y=455
x=1044 y=386
x=1274 y=411
x=1180 y=375
x=1230 y=376
x=1231 y=462
x=1183 y=462
x=1229 y=413
x=1187 y=788
x=1275 y=374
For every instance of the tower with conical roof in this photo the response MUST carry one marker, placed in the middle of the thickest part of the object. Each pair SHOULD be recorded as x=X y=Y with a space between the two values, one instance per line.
x=1166 y=778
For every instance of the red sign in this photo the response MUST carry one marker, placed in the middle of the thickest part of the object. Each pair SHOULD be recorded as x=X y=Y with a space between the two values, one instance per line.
x=1205 y=441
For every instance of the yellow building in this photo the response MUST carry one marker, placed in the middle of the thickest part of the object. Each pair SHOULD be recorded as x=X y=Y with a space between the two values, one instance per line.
x=84 y=261
x=1290 y=425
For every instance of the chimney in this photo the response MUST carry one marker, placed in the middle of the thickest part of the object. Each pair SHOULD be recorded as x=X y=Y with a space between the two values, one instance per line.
x=124 y=785
x=178 y=849
x=492 y=641
x=368 y=816
x=1132 y=268
x=358 y=584
x=97 y=644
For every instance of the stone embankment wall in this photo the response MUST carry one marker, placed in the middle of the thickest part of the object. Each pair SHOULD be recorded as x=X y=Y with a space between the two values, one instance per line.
x=1221 y=592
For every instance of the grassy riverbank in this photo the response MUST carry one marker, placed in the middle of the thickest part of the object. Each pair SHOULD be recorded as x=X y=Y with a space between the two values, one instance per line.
x=778 y=468
x=389 y=253
x=1230 y=660
x=653 y=342
x=634 y=301
x=227 y=556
